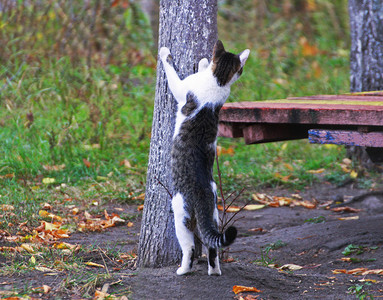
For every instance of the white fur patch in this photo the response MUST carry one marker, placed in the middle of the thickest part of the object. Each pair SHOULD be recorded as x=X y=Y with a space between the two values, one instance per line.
x=184 y=235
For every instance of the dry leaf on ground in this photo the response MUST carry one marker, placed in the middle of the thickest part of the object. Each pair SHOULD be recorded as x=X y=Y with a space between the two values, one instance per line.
x=240 y=288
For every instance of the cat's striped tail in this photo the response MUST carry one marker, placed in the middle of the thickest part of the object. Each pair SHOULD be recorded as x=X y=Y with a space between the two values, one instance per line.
x=214 y=239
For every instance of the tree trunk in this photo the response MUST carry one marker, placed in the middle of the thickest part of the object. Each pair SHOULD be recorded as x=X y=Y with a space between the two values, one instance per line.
x=189 y=29
x=366 y=57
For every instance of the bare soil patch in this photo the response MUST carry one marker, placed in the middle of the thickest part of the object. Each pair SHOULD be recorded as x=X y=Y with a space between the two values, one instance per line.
x=289 y=236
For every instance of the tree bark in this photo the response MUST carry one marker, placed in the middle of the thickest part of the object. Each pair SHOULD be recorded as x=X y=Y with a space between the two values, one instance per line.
x=366 y=56
x=189 y=29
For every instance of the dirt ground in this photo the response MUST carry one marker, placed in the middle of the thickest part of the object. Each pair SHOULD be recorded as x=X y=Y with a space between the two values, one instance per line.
x=285 y=239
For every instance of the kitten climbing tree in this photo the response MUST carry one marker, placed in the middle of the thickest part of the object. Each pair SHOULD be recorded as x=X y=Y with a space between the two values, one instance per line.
x=189 y=29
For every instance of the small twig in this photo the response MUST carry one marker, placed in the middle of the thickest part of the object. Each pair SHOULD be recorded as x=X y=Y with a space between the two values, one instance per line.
x=237 y=212
x=235 y=198
x=106 y=267
x=159 y=181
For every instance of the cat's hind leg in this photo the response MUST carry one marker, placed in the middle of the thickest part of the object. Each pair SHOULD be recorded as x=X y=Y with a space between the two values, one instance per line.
x=184 y=234
x=213 y=262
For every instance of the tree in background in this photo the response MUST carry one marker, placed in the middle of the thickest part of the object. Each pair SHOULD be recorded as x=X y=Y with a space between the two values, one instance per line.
x=189 y=29
x=366 y=58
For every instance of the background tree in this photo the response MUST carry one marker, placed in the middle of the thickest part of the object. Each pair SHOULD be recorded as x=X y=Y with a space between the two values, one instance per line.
x=366 y=58
x=189 y=29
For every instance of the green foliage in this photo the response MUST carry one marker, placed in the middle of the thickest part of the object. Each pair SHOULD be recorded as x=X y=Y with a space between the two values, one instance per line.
x=359 y=290
x=265 y=259
x=77 y=88
x=316 y=220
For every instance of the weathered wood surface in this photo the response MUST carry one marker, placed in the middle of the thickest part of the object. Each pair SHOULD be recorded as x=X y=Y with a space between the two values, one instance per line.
x=278 y=120
x=346 y=137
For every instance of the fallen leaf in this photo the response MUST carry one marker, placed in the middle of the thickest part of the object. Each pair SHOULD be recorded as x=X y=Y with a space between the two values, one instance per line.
x=43 y=269
x=54 y=168
x=239 y=289
x=290 y=267
x=254 y=206
x=130 y=224
x=288 y=166
x=48 y=180
x=281 y=177
x=345 y=209
x=44 y=289
x=139 y=197
x=349 y=218
x=47 y=206
x=45 y=214
x=315 y=171
x=86 y=162
x=6 y=207
x=222 y=151
x=92 y=264
x=353 y=174
x=27 y=248
x=125 y=163
x=230 y=209
x=140 y=207
x=307 y=48
x=257 y=229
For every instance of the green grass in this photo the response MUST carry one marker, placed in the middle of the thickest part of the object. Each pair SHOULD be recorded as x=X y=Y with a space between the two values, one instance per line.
x=55 y=113
x=83 y=118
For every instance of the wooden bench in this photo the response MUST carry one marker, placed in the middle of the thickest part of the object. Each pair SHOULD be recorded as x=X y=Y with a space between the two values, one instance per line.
x=350 y=119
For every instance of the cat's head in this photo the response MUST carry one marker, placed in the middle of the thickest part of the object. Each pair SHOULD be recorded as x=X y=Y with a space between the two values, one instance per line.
x=227 y=67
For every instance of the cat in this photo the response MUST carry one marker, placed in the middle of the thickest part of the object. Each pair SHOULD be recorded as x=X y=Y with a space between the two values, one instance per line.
x=199 y=97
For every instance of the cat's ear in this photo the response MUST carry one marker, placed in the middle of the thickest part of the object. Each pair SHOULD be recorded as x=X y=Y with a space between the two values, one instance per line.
x=243 y=56
x=218 y=50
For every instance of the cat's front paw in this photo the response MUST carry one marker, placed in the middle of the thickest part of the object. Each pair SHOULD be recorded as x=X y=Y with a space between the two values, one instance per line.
x=164 y=53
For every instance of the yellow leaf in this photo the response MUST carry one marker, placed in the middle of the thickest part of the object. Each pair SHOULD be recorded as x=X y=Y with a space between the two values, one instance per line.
x=254 y=206
x=50 y=226
x=32 y=260
x=130 y=224
x=27 y=248
x=48 y=180
x=43 y=269
x=353 y=174
x=43 y=213
x=63 y=245
x=92 y=264
x=284 y=146
x=315 y=171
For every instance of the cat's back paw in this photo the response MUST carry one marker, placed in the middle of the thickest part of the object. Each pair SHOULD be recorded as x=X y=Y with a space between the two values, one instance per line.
x=164 y=53
x=183 y=271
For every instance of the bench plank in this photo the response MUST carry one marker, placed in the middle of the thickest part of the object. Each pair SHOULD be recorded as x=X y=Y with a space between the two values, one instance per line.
x=286 y=119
